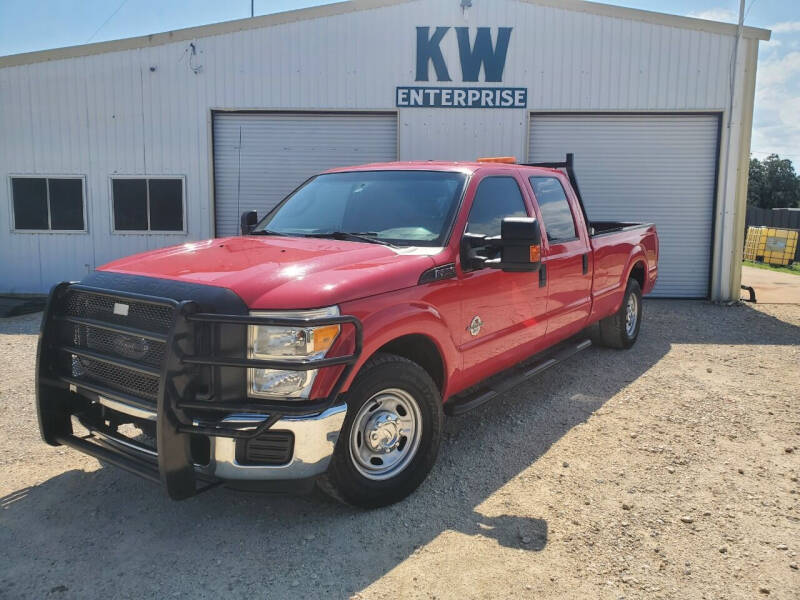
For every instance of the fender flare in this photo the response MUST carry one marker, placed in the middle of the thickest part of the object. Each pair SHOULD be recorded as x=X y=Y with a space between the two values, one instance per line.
x=636 y=256
x=391 y=323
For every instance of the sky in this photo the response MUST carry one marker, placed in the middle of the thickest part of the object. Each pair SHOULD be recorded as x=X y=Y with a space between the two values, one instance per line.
x=28 y=25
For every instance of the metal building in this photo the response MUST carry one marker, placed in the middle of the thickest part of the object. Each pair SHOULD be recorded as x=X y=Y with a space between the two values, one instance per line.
x=114 y=148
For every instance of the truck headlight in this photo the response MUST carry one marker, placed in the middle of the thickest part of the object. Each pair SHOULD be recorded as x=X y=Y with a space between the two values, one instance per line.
x=268 y=342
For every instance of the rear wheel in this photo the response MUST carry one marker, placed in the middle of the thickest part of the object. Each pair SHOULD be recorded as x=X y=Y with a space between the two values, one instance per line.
x=390 y=437
x=621 y=329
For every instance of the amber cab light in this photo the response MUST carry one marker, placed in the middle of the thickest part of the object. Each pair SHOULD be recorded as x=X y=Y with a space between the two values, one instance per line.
x=508 y=160
x=536 y=254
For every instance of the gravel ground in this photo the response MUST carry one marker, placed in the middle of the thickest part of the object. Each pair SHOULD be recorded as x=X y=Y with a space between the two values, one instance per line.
x=667 y=471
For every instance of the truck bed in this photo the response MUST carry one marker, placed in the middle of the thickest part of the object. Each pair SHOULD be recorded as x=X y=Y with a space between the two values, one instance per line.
x=597 y=228
x=611 y=240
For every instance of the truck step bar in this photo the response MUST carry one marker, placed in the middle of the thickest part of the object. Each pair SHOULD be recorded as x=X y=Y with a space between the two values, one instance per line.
x=513 y=377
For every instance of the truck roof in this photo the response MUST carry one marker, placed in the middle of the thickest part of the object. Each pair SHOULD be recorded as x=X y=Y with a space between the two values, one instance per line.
x=436 y=165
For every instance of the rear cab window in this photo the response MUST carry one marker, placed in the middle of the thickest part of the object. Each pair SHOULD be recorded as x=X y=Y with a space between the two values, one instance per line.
x=557 y=217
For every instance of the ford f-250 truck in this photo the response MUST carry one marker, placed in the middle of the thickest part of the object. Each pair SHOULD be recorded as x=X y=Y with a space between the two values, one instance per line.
x=329 y=340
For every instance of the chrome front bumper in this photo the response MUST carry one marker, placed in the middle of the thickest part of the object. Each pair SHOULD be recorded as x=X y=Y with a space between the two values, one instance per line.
x=314 y=441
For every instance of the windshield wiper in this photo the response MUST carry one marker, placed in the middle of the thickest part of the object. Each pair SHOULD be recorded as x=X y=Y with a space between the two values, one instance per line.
x=269 y=232
x=363 y=236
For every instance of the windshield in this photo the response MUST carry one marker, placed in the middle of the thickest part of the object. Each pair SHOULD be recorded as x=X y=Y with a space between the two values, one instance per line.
x=404 y=208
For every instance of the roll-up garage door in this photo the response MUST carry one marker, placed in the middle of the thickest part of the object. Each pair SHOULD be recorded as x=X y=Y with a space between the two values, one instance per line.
x=646 y=168
x=259 y=158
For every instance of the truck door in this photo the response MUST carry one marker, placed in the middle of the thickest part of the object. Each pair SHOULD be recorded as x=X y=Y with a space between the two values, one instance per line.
x=502 y=313
x=567 y=259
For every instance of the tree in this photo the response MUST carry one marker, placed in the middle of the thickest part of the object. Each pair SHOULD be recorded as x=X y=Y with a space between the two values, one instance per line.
x=773 y=183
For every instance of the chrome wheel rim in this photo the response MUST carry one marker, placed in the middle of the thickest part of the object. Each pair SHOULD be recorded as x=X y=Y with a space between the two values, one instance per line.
x=631 y=314
x=386 y=434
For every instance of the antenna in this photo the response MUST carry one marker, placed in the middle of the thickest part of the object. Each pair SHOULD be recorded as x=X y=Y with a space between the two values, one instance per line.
x=252 y=2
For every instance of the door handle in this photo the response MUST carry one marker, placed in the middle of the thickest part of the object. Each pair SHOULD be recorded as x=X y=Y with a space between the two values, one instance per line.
x=585 y=263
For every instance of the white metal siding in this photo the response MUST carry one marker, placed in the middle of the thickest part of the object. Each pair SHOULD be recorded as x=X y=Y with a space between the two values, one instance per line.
x=260 y=158
x=147 y=112
x=646 y=168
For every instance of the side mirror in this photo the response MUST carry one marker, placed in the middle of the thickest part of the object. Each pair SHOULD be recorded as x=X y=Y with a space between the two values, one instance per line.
x=520 y=245
x=248 y=221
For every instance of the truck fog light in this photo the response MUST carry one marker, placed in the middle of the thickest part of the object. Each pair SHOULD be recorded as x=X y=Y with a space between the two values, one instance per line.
x=286 y=384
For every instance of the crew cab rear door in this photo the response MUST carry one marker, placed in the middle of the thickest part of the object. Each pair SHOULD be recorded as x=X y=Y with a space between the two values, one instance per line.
x=567 y=256
x=502 y=313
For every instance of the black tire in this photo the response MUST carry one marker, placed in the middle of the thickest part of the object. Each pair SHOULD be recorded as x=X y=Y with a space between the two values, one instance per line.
x=612 y=331
x=343 y=480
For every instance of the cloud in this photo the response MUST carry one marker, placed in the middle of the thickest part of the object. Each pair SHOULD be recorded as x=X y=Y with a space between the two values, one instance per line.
x=777 y=121
x=786 y=27
x=777 y=71
x=715 y=14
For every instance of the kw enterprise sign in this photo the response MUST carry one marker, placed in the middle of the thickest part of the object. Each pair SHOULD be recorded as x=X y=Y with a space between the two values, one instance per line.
x=484 y=52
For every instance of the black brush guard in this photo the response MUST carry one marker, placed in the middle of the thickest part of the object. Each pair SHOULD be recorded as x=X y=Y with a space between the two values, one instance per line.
x=59 y=396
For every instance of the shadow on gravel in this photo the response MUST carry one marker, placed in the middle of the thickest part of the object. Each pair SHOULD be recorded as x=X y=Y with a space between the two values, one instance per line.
x=102 y=533
x=689 y=322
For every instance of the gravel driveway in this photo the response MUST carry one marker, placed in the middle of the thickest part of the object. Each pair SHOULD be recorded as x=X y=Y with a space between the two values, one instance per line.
x=667 y=471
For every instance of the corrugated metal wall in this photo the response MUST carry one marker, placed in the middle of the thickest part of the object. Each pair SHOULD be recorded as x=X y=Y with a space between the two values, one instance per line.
x=148 y=111
x=645 y=168
x=259 y=158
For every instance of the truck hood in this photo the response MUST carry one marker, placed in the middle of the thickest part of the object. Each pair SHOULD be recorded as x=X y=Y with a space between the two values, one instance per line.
x=285 y=272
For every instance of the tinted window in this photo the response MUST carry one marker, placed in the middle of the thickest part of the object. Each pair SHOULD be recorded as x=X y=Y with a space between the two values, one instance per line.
x=130 y=204
x=166 y=205
x=412 y=208
x=495 y=199
x=30 y=203
x=45 y=204
x=556 y=213
x=148 y=204
x=66 y=204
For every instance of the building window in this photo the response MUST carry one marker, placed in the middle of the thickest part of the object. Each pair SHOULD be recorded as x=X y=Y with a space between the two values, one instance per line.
x=148 y=204
x=48 y=203
x=556 y=213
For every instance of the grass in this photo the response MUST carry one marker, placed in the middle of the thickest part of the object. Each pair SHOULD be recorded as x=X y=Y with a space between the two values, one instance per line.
x=793 y=269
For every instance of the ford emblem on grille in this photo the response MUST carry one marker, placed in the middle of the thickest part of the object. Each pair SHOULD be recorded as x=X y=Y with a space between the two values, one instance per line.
x=131 y=347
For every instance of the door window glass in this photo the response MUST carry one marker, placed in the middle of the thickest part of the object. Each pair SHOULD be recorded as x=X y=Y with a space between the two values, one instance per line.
x=495 y=199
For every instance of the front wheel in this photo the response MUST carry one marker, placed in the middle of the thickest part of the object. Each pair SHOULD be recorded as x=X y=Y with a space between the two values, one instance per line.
x=390 y=437
x=621 y=329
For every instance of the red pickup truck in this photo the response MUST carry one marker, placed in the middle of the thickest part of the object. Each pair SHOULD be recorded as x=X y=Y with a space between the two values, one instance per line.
x=327 y=342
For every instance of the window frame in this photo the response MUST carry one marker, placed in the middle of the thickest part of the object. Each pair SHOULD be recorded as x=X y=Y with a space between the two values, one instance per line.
x=148 y=231
x=575 y=227
x=46 y=176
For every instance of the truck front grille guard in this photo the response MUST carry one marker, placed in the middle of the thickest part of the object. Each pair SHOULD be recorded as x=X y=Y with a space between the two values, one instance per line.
x=274 y=409
x=179 y=415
